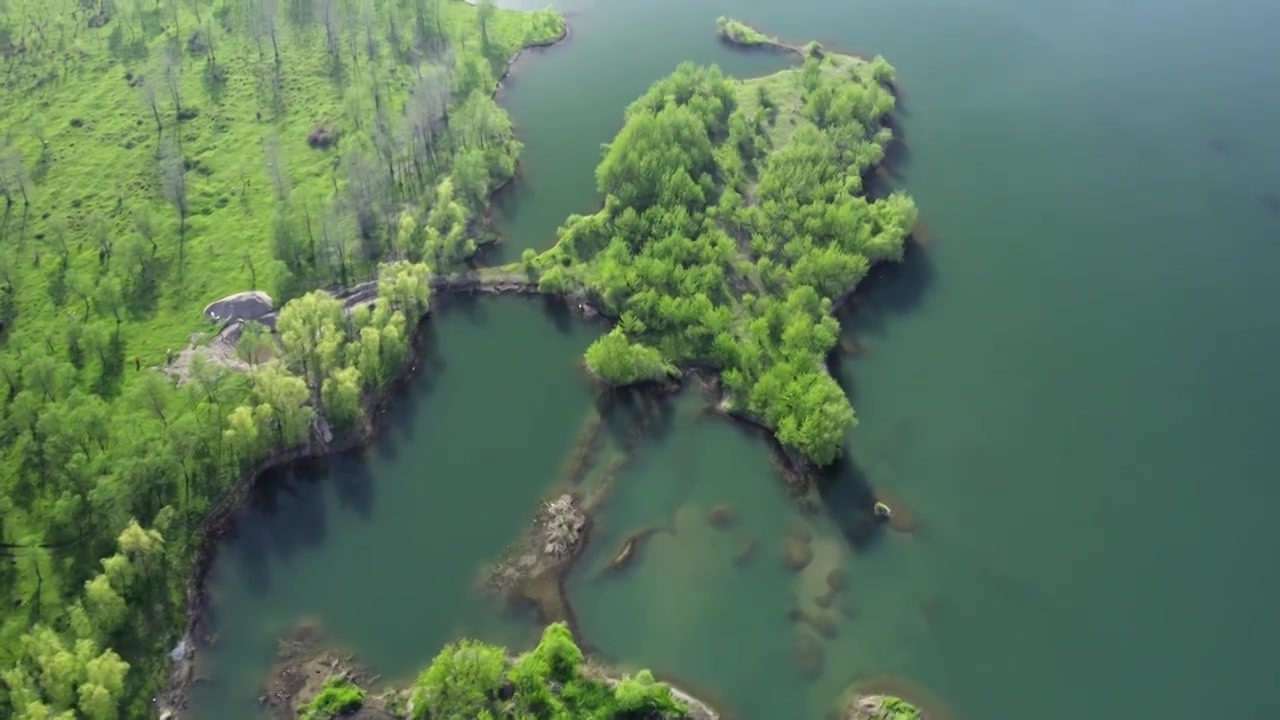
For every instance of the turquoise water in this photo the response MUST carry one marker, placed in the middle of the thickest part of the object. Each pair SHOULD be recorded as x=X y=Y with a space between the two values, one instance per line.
x=1070 y=387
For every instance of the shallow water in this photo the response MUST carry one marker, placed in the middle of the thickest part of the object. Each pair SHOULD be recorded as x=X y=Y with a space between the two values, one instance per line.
x=1071 y=388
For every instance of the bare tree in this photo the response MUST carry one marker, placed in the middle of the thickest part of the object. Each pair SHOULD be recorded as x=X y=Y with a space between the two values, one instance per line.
x=425 y=110
x=151 y=100
x=276 y=168
x=13 y=176
x=171 y=61
x=484 y=13
x=368 y=21
x=173 y=183
x=268 y=8
x=364 y=189
x=335 y=240
x=328 y=11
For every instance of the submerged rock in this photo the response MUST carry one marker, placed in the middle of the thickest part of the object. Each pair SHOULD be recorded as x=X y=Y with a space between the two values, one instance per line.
x=836 y=579
x=746 y=553
x=630 y=547
x=800 y=532
x=808 y=653
x=797 y=555
x=721 y=517
x=825 y=599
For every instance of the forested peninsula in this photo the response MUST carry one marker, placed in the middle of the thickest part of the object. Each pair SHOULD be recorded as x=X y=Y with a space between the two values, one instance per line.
x=736 y=218
x=162 y=155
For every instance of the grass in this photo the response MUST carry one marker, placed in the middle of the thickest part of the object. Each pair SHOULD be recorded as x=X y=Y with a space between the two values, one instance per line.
x=96 y=166
x=740 y=33
x=781 y=94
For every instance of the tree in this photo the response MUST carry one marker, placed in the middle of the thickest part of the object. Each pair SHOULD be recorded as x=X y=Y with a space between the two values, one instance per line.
x=284 y=402
x=254 y=343
x=341 y=396
x=405 y=286
x=277 y=170
x=311 y=334
x=615 y=359
x=108 y=299
x=485 y=10
x=459 y=681
x=173 y=183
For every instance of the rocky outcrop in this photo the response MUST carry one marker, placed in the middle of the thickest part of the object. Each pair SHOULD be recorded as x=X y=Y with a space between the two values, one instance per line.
x=880 y=707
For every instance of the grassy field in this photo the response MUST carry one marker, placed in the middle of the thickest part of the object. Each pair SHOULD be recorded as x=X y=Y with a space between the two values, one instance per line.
x=81 y=128
x=150 y=153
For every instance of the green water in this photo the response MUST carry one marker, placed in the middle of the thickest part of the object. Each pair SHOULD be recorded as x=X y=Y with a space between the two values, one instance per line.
x=383 y=549
x=1072 y=389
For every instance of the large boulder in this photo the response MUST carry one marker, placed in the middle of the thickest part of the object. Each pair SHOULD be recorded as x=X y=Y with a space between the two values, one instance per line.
x=250 y=305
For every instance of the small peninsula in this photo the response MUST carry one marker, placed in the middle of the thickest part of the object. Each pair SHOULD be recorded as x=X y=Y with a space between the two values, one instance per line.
x=737 y=217
x=472 y=679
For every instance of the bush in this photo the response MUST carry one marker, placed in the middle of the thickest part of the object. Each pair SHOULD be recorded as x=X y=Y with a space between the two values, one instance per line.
x=339 y=696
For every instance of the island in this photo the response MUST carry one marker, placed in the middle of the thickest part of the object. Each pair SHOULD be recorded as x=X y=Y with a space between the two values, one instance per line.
x=472 y=679
x=253 y=147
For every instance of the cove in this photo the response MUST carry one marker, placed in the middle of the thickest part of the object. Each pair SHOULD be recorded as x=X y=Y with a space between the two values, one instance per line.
x=382 y=549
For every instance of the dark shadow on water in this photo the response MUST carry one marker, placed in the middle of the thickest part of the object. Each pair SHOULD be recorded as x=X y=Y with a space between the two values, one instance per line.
x=635 y=415
x=467 y=303
x=285 y=514
x=848 y=499
x=354 y=483
x=559 y=313
x=889 y=289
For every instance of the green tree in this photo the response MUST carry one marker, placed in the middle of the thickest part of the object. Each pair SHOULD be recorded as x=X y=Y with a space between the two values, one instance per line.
x=615 y=359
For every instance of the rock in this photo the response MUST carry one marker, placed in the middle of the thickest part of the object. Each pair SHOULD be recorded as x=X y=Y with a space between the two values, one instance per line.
x=847 y=610
x=797 y=555
x=825 y=599
x=808 y=653
x=824 y=625
x=630 y=548
x=836 y=579
x=800 y=532
x=622 y=558
x=880 y=707
x=746 y=553
x=721 y=517
x=240 y=306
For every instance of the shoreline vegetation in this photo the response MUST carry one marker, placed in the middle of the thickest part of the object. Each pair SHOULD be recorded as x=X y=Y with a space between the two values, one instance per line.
x=471 y=679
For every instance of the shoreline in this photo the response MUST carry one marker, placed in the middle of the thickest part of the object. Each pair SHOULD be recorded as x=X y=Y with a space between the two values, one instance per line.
x=175 y=696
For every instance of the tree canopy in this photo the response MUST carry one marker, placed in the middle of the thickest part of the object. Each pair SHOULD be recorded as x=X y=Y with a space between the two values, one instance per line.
x=735 y=217
x=550 y=682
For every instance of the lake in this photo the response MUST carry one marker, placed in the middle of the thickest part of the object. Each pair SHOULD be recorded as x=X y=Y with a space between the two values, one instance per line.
x=1070 y=386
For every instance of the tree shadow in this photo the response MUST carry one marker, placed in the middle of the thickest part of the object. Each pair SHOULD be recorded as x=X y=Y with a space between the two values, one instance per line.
x=889 y=289
x=636 y=415
x=285 y=514
x=354 y=482
x=849 y=500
